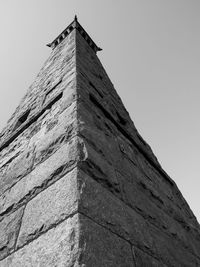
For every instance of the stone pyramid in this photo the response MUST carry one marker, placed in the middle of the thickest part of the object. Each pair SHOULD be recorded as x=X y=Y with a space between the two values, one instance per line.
x=78 y=184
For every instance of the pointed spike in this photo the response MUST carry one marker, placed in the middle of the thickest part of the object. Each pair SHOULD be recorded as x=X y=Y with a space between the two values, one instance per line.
x=75 y=18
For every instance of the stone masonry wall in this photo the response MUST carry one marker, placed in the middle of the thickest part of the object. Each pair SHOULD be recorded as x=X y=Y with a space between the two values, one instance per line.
x=127 y=191
x=36 y=194
x=40 y=222
x=79 y=185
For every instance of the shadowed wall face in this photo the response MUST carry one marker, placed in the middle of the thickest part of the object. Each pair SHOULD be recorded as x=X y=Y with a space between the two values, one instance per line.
x=79 y=185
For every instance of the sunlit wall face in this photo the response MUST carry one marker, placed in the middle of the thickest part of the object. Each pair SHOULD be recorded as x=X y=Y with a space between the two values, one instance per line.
x=151 y=53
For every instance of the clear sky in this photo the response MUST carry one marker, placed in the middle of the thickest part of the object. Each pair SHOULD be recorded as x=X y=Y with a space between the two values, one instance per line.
x=151 y=51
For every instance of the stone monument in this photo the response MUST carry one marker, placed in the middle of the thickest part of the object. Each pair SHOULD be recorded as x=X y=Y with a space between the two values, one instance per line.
x=78 y=184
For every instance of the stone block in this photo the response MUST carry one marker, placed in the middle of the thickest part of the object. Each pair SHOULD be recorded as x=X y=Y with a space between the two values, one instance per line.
x=69 y=94
x=51 y=206
x=98 y=168
x=93 y=119
x=9 y=229
x=100 y=247
x=19 y=167
x=107 y=210
x=57 y=247
x=77 y=241
x=136 y=194
x=43 y=175
x=176 y=204
x=49 y=140
x=103 y=207
x=107 y=146
x=143 y=259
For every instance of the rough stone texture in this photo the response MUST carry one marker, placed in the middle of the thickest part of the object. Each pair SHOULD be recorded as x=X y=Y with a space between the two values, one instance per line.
x=142 y=259
x=100 y=247
x=50 y=207
x=62 y=161
x=18 y=167
x=77 y=241
x=79 y=185
x=9 y=229
x=101 y=123
x=165 y=227
x=57 y=247
x=107 y=210
x=55 y=133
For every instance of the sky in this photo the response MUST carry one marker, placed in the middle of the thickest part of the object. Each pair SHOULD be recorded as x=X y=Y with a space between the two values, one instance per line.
x=151 y=52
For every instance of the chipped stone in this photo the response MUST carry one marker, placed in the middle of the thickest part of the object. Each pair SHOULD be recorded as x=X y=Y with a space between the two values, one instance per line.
x=51 y=206
x=43 y=175
x=9 y=229
x=57 y=247
x=18 y=168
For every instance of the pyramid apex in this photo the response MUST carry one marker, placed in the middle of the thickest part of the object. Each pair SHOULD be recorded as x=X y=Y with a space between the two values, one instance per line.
x=74 y=25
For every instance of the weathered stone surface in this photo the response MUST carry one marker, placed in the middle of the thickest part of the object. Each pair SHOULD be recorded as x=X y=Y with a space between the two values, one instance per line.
x=69 y=94
x=100 y=169
x=18 y=168
x=60 y=65
x=137 y=195
x=9 y=229
x=18 y=145
x=143 y=259
x=136 y=191
x=106 y=139
x=100 y=247
x=91 y=67
x=107 y=210
x=100 y=132
x=50 y=207
x=111 y=144
x=123 y=156
x=44 y=174
x=91 y=72
x=77 y=241
x=112 y=213
x=134 y=187
x=57 y=247
x=50 y=139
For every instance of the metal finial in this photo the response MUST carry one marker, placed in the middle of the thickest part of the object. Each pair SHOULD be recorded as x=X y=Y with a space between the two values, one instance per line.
x=75 y=18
